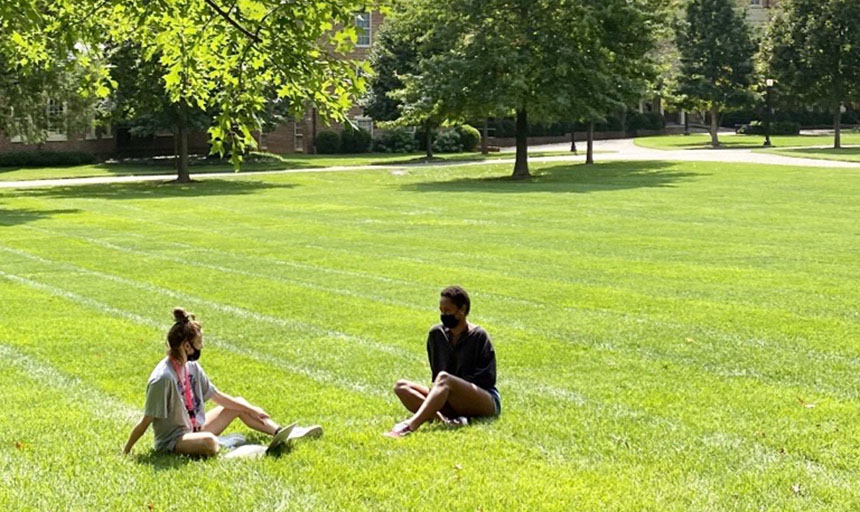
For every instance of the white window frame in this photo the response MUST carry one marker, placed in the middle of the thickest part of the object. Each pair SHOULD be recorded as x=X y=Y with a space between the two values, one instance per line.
x=92 y=135
x=54 y=136
x=299 y=135
x=368 y=30
x=364 y=119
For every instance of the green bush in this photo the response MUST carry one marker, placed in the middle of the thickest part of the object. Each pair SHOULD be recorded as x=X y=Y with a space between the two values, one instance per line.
x=448 y=141
x=645 y=121
x=327 y=142
x=776 y=128
x=470 y=137
x=397 y=140
x=815 y=117
x=46 y=159
x=354 y=140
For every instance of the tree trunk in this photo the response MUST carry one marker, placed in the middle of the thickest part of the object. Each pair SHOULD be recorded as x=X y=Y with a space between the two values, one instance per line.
x=176 y=148
x=183 y=176
x=572 y=139
x=485 y=144
x=837 y=128
x=314 y=131
x=521 y=167
x=589 y=152
x=428 y=141
x=715 y=126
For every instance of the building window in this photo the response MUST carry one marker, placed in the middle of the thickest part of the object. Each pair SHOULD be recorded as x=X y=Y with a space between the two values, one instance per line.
x=99 y=132
x=299 y=136
x=756 y=3
x=364 y=123
x=56 y=121
x=362 y=22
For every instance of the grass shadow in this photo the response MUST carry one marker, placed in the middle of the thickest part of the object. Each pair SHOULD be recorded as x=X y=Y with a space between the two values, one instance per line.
x=150 y=190
x=137 y=169
x=724 y=146
x=15 y=217
x=164 y=461
x=571 y=179
x=412 y=161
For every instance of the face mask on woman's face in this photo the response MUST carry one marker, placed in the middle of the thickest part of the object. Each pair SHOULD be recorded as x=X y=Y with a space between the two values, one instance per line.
x=449 y=321
x=194 y=356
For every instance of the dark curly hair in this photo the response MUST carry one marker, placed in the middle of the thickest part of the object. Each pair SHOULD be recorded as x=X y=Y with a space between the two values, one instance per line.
x=458 y=296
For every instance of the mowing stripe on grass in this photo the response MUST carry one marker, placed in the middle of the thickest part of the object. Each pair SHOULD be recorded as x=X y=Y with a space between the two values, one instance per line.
x=314 y=374
x=224 y=308
x=562 y=335
x=614 y=410
x=526 y=386
x=47 y=375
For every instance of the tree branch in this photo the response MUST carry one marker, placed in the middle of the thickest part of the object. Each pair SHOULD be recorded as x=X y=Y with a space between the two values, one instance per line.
x=226 y=16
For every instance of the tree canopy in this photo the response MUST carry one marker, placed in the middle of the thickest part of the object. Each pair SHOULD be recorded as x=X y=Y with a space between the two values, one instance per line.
x=813 y=52
x=551 y=59
x=716 y=58
x=230 y=57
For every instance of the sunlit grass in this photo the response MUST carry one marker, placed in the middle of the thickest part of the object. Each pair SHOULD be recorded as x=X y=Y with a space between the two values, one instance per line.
x=670 y=336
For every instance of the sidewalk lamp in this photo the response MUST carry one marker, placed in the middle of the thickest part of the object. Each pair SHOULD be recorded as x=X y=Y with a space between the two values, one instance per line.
x=769 y=86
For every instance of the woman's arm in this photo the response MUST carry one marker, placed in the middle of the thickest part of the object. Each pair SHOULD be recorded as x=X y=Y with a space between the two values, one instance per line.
x=238 y=404
x=136 y=432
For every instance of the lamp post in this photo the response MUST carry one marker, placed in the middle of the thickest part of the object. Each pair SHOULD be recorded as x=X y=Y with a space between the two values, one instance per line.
x=769 y=85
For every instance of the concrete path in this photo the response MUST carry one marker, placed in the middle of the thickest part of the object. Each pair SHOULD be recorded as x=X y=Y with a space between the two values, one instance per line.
x=626 y=149
x=609 y=150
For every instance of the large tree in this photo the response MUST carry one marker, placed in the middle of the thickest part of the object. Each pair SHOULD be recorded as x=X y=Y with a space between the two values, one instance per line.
x=615 y=61
x=44 y=60
x=538 y=58
x=229 y=57
x=813 y=51
x=139 y=102
x=398 y=49
x=716 y=54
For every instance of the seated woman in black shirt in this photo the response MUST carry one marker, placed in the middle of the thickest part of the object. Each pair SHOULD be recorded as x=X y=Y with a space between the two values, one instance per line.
x=463 y=364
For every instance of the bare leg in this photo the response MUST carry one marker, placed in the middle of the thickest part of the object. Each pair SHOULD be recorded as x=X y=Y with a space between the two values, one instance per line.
x=197 y=443
x=463 y=398
x=412 y=396
x=219 y=418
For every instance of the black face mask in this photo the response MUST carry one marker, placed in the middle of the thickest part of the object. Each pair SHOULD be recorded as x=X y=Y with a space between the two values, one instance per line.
x=449 y=321
x=196 y=355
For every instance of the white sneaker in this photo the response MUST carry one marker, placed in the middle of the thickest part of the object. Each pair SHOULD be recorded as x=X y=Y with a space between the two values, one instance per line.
x=311 y=432
x=280 y=438
x=458 y=422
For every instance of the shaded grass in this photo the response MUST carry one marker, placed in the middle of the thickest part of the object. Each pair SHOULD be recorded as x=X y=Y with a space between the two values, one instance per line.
x=732 y=141
x=262 y=162
x=670 y=336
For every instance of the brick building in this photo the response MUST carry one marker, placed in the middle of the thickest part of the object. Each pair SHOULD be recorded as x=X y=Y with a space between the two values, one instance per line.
x=298 y=135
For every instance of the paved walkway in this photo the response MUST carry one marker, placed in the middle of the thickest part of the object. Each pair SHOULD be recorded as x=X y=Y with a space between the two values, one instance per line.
x=609 y=150
x=625 y=149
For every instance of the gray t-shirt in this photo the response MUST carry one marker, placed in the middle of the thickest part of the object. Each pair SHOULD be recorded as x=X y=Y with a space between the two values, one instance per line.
x=166 y=403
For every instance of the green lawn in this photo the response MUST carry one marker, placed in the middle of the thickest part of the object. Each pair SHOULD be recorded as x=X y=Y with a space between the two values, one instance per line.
x=851 y=154
x=732 y=141
x=270 y=162
x=670 y=337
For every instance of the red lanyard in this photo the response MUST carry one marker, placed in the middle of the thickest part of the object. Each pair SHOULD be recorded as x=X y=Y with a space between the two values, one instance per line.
x=186 y=392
